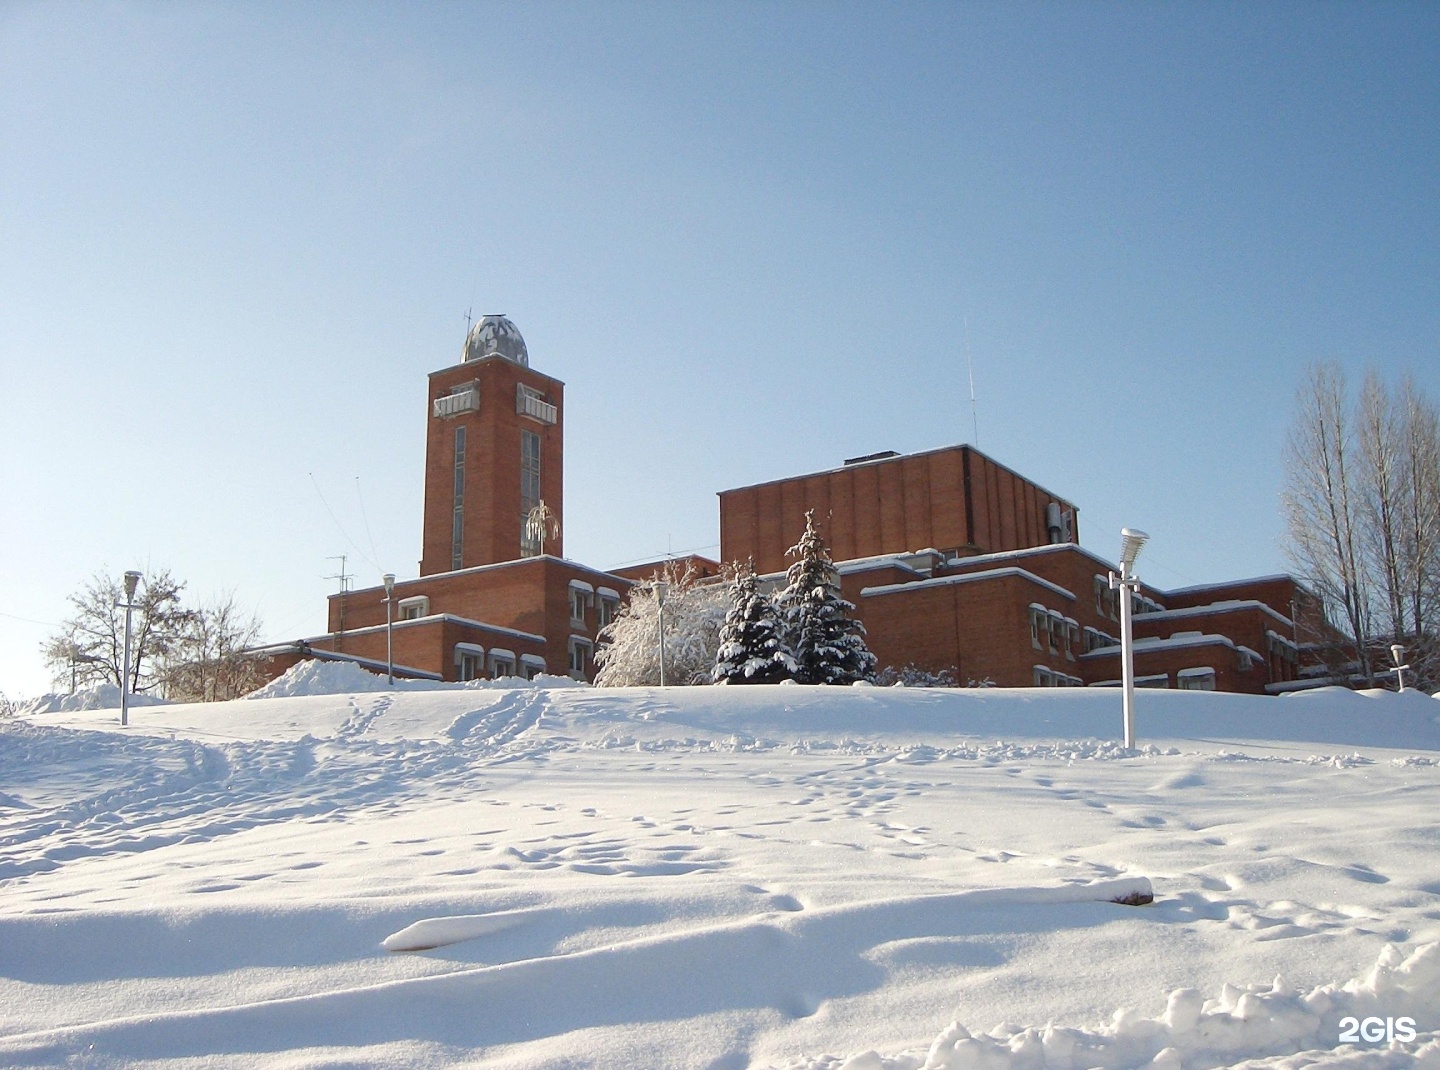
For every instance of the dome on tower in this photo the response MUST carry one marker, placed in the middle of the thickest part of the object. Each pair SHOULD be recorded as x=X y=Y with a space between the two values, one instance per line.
x=496 y=336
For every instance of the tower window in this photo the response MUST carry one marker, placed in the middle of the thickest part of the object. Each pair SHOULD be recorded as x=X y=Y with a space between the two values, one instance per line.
x=529 y=489
x=457 y=522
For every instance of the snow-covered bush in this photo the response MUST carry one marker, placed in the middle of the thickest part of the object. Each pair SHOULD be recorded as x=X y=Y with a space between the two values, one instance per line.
x=826 y=642
x=752 y=649
x=629 y=650
x=912 y=675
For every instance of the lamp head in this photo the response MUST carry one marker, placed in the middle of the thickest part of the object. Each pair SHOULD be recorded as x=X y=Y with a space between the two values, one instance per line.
x=389 y=580
x=1397 y=652
x=661 y=590
x=1131 y=540
x=132 y=581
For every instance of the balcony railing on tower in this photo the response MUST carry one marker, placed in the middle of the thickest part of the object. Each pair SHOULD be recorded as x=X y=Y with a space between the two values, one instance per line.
x=528 y=402
x=466 y=400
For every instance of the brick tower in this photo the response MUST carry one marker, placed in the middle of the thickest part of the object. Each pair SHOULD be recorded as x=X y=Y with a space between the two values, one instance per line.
x=493 y=451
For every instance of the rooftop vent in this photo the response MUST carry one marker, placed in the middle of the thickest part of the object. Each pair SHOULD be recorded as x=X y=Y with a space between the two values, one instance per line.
x=881 y=456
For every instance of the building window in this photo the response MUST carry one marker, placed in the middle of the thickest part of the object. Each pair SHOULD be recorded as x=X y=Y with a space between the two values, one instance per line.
x=531 y=665
x=1102 y=597
x=579 y=658
x=529 y=489
x=1039 y=624
x=414 y=608
x=457 y=522
x=609 y=608
x=1195 y=679
x=1243 y=661
x=577 y=606
x=1043 y=677
x=502 y=663
x=1072 y=638
x=1057 y=631
x=468 y=659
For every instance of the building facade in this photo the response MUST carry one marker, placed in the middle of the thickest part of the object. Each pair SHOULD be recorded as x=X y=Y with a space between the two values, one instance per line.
x=495 y=596
x=958 y=564
x=954 y=562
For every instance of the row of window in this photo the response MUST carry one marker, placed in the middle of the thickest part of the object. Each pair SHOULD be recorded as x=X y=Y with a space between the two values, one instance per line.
x=607 y=606
x=472 y=662
x=1107 y=601
x=1047 y=677
x=1095 y=639
x=1053 y=631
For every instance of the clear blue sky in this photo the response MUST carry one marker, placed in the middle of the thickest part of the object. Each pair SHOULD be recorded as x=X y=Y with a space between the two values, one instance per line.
x=234 y=239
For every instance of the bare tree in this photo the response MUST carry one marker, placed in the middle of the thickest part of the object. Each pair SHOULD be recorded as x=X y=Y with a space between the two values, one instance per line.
x=1381 y=494
x=211 y=660
x=1362 y=505
x=89 y=648
x=1419 y=542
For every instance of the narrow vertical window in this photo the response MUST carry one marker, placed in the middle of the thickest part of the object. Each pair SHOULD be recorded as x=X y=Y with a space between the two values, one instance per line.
x=529 y=489
x=457 y=523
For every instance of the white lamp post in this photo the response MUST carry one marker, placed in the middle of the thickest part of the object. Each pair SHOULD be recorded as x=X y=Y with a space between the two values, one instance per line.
x=132 y=581
x=1398 y=653
x=1131 y=540
x=661 y=590
x=389 y=628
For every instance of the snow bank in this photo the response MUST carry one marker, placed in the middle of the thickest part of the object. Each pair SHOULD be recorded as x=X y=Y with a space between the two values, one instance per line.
x=100 y=697
x=314 y=677
x=1241 y=1025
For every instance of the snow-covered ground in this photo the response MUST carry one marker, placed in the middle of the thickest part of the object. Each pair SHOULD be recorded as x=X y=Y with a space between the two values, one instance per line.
x=721 y=878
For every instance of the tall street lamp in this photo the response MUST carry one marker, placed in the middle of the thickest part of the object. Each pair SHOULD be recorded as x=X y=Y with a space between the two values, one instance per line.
x=132 y=581
x=1131 y=540
x=661 y=590
x=389 y=628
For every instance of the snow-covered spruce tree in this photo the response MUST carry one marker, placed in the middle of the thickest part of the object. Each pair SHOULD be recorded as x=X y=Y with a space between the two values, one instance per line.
x=752 y=650
x=629 y=651
x=825 y=641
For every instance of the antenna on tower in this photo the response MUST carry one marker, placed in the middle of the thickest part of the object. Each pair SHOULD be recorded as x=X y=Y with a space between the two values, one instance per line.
x=469 y=320
x=974 y=409
x=343 y=577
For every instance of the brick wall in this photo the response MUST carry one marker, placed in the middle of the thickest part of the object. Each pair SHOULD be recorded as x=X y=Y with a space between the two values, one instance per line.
x=492 y=525
x=954 y=499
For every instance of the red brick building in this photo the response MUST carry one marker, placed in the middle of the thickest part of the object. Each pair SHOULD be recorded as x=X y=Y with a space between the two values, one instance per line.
x=953 y=561
x=494 y=596
x=969 y=567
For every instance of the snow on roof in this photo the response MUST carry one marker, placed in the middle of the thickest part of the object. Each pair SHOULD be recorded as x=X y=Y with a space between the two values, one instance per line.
x=581 y=585
x=1175 y=642
x=431 y=619
x=968 y=577
x=519 y=562
x=1197 y=588
x=532 y=659
x=1031 y=551
x=869 y=564
x=607 y=592
x=470 y=648
x=1198 y=670
x=1219 y=607
x=501 y=652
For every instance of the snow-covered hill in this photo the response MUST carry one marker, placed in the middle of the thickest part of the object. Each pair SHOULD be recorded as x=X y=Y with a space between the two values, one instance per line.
x=719 y=877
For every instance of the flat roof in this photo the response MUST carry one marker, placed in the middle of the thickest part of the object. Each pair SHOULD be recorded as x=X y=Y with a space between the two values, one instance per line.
x=882 y=460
